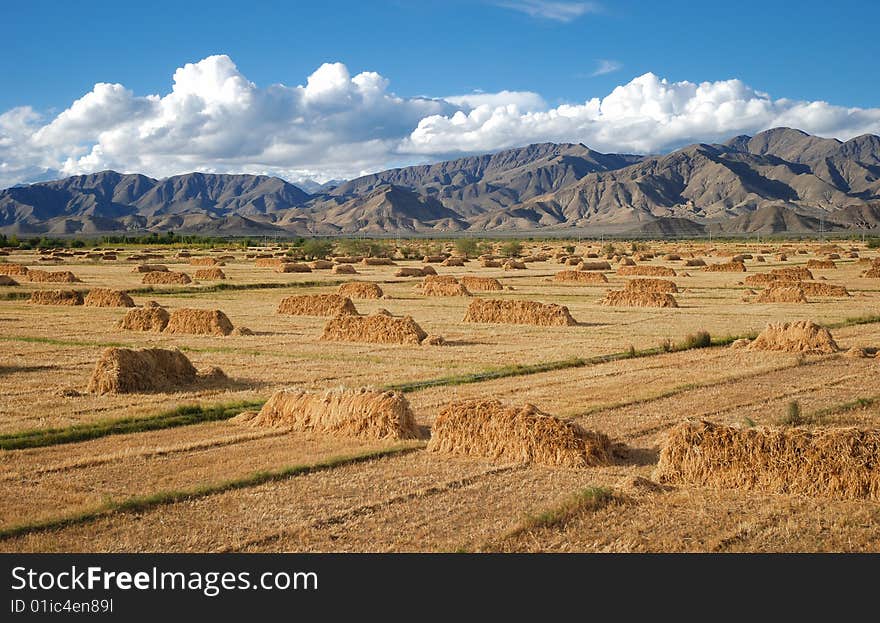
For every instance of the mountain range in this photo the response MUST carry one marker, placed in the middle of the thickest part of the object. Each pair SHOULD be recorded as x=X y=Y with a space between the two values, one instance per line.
x=780 y=180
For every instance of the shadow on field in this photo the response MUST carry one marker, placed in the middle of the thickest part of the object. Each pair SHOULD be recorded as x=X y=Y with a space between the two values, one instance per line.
x=6 y=370
x=637 y=457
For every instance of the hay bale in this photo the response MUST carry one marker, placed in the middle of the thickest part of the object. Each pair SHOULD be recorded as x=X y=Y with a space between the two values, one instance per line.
x=105 y=297
x=363 y=413
x=127 y=370
x=481 y=284
x=375 y=329
x=821 y=264
x=762 y=279
x=434 y=259
x=153 y=319
x=651 y=285
x=838 y=462
x=378 y=261
x=45 y=276
x=316 y=305
x=518 y=312
x=350 y=259
x=782 y=294
x=491 y=263
x=205 y=261
x=16 y=270
x=626 y=261
x=360 y=290
x=428 y=270
x=165 y=277
x=321 y=265
x=445 y=285
x=209 y=274
x=726 y=267
x=513 y=265
x=520 y=434
x=816 y=288
x=645 y=271
x=579 y=276
x=793 y=273
x=802 y=336
x=409 y=272
x=857 y=352
x=626 y=298
x=150 y=268
x=6 y=280
x=453 y=261
x=595 y=266
x=695 y=262
x=198 y=322
x=56 y=297
x=344 y=269
x=672 y=257
x=292 y=267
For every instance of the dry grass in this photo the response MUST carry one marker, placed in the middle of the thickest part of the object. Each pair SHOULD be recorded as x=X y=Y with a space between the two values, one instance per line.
x=18 y=270
x=802 y=336
x=316 y=305
x=626 y=298
x=518 y=312
x=375 y=329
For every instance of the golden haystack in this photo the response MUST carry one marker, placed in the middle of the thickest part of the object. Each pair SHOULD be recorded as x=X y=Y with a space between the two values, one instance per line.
x=821 y=264
x=817 y=288
x=595 y=266
x=513 y=265
x=205 y=261
x=292 y=267
x=321 y=265
x=695 y=262
x=520 y=434
x=56 y=297
x=6 y=280
x=442 y=285
x=626 y=261
x=518 y=312
x=672 y=257
x=857 y=352
x=802 y=336
x=645 y=271
x=344 y=269
x=726 y=267
x=378 y=261
x=165 y=277
x=428 y=270
x=793 y=273
x=453 y=261
x=105 y=297
x=762 y=279
x=58 y=276
x=13 y=269
x=626 y=298
x=126 y=370
x=375 y=329
x=150 y=268
x=198 y=322
x=153 y=319
x=316 y=305
x=209 y=274
x=651 y=285
x=481 y=284
x=782 y=294
x=490 y=263
x=579 y=276
x=433 y=340
x=838 y=462
x=409 y=272
x=268 y=262
x=360 y=290
x=433 y=259
x=873 y=272
x=363 y=413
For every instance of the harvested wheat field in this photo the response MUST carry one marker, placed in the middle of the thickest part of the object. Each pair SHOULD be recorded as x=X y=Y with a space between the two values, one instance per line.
x=479 y=414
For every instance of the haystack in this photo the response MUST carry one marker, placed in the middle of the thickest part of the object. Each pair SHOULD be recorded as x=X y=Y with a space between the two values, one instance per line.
x=626 y=298
x=126 y=370
x=491 y=263
x=433 y=259
x=209 y=274
x=762 y=279
x=205 y=261
x=651 y=285
x=838 y=462
x=105 y=297
x=442 y=285
x=595 y=266
x=363 y=413
x=13 y=269
x=726 y=267
x=153 y=319
x=782 y=294
x=817 y=288
x=6 y=280
x=198 y=322
x=348 y=259
x=520 y=434
x=407 y=271
x=481 y=284
x=695 y=262
x=321 y=265
x=821 y=264
x=873 y=272
x=292 y=267
x=165 y=277
x=794 y=273
x=344 y=269
x=150 y=268
x=453 y=261
x=58 y=276
x=513 y=265
x=378 y=261
x=375 y=329
x=316 y=305
x=802 y=336
x=268 y=262
x=360 y=290
x=56 y=297
x=645 y=271
x=518 y=312
x=579 y=276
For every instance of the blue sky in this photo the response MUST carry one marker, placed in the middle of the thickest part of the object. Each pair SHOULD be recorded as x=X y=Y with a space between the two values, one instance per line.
x=562 y=52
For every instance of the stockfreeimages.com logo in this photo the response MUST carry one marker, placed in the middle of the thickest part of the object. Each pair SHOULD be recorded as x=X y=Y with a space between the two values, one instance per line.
x=209 y=583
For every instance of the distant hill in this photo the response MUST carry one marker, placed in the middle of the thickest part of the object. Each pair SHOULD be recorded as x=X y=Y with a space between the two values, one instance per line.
x=781 y=180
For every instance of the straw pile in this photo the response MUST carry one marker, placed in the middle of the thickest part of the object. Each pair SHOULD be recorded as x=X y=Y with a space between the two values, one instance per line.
x=490 y=263
x=794 y=273
x=13 y=269
x=442 y=286
x=150 y=268
x=433 y=259
x=375 y=329
x=268 y=262
x=59 y=276
x=126 y=370
x=165 y=277
x=153 y=319
x=104 y=297
x=645 y=271
x=378 y=261
x=360 y=290
x=412 y=272
x=453 y=261
x=321 y=265
x=56 y=297
x=579 y=276
x=839 y=462
x=726 y=267
x=821 y=264
x=595 y=266
x=817 y=288
x=481 y=284
x=802 y=336
x=626 y=298
x=198 y=322
x=344 y=269
x=205 y=261
x=316 y=305
x=762 y=279
x=782 y=294
x=6 y=280
x=428 y=270
x=513 y=265
x=518 y=312
x=672 y=257
x=292 y=267
x=363 y=413
x=651 y=285
x=521 y=434
x=695 y=262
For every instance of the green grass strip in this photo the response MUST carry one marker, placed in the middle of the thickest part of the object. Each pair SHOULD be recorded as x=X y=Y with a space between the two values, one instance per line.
x=181 y=416
x=141 y=503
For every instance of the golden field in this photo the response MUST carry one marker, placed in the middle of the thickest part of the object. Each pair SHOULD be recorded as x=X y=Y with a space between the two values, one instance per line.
x=120 y=472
